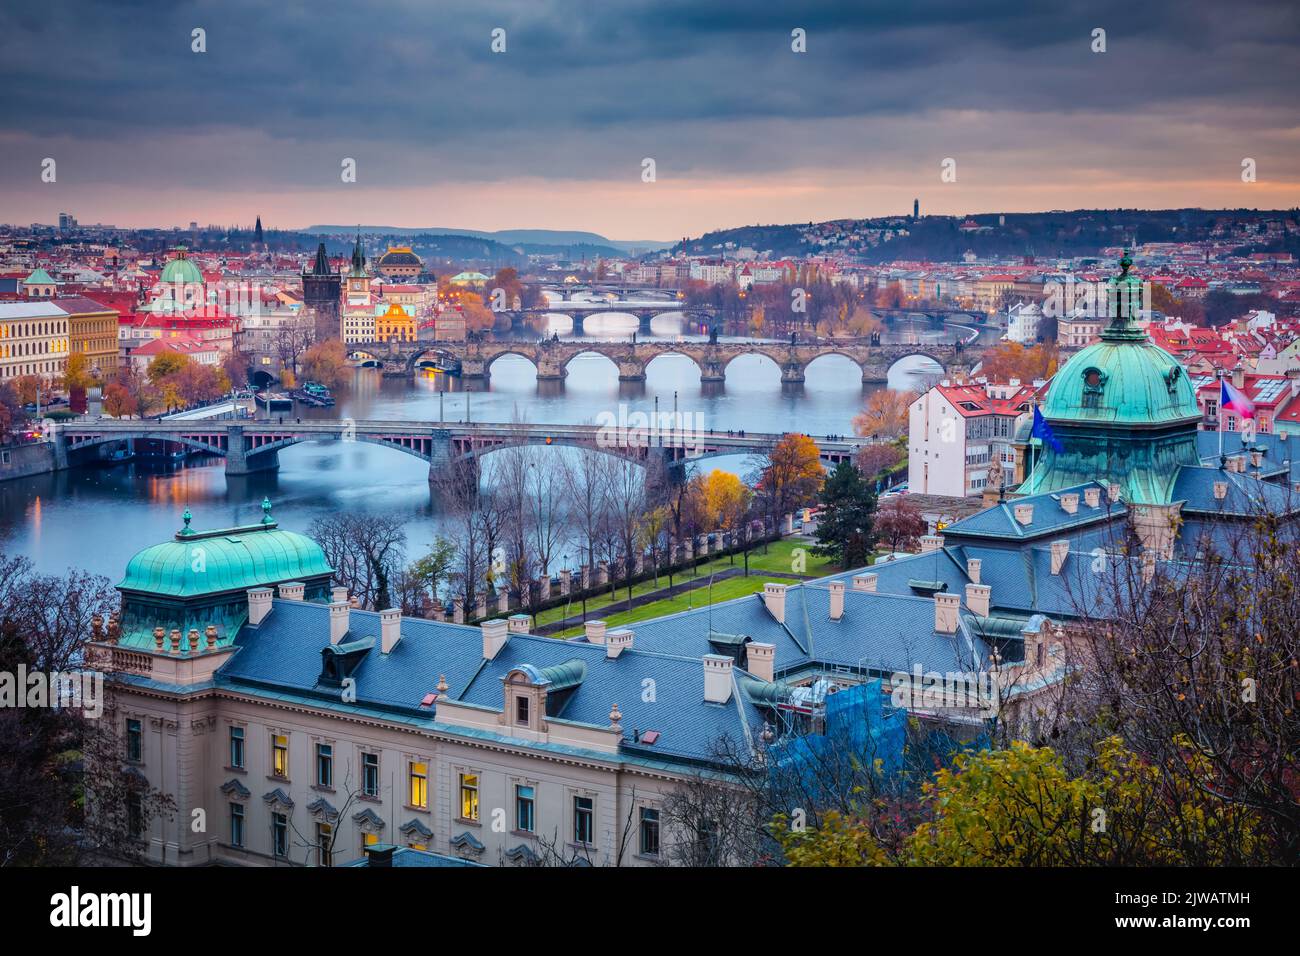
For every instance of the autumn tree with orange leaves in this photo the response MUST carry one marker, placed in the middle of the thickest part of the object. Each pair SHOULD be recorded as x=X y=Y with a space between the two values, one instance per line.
x=884 y=415
x=1013 y=360
x=790 y=476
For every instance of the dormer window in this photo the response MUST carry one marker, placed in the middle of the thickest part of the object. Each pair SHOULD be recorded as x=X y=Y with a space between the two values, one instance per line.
x=521 y=711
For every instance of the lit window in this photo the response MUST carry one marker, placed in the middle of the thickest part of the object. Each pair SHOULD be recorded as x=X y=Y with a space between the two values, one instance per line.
x=325 y=844
x=236 y=824
x=419 y=785
x=370 y=774
x=134 y=740
x=279 y=755
x=237 y=747
x=368 y=839
x=583 y=819
x=524 y=806
x=324 y=765
x=469 y=796
x=649 y=832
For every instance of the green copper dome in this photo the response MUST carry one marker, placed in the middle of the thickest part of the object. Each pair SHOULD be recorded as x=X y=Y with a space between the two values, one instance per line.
x=195 y=564
x=1121 y=383
x=1122 y=411
x=180 y=270
x=1125 y=379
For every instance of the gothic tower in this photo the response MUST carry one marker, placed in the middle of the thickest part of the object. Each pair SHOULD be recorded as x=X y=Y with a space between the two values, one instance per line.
x=321 y=288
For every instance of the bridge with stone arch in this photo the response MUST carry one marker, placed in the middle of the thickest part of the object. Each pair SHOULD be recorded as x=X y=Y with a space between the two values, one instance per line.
x=552 y=358
x=253 y=446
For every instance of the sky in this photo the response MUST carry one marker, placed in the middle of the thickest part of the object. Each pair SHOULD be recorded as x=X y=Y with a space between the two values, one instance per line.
x=554 y=131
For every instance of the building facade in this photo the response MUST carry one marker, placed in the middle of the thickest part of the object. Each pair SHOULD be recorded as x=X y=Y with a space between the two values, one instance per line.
x=34 y=339
x=92 y=332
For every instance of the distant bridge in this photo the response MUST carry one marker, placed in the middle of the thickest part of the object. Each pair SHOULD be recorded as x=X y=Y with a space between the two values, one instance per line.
x=250 y=447
x=577 y=312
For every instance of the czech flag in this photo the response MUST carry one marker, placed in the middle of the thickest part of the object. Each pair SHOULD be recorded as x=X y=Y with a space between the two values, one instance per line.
x=1231 y=399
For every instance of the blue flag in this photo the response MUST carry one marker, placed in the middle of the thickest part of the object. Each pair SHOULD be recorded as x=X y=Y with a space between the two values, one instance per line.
x=1043 y=431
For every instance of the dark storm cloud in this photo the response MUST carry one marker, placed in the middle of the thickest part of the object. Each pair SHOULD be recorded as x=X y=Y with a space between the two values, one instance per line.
x=412 y=91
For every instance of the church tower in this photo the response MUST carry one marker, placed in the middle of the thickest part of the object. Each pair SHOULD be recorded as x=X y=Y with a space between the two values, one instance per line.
x=321 y=289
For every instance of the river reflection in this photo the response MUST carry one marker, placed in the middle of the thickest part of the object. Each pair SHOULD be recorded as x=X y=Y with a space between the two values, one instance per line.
x=95 y=518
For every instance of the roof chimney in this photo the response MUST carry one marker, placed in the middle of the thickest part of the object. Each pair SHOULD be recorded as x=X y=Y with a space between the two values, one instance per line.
x=292 y=590
x=1113 y=492
x=774 y=598
x=1220 y=490
x=390 y=629
x=338 y=619
x=1092 y=496
x=864 y=582
x=977 y=599
x=595 y=632
x=1024 y=513
x=837 y=600
x=1060 y=549
x=761 y=660
x=338 y=594
x=616 y=642
x=717 y=678
x=1070 y=502
x=931 y=542
x=259 y=605
x=945 y=612
x=495 y=635
x=518 y=623
x=973 y=569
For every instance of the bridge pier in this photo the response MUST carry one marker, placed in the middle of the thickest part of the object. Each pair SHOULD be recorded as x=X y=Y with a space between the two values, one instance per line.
x=792 y=373
x=551 y=370
x=577 y=318
x=875 y=375
x=60 y=449
x=241 y=461
x=643 y=322
x=630 y=370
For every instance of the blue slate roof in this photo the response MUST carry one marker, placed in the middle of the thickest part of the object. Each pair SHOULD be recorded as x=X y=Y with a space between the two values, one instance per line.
x=1277 y=450
x=1048 y=518
x=1246 y=495
x=282 y=656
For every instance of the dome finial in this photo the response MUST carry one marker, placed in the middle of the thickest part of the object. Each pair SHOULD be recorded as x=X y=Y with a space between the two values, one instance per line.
x=187 y=518
x=266 y=511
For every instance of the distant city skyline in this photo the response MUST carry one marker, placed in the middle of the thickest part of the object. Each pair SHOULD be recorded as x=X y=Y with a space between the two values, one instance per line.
x=552 y=133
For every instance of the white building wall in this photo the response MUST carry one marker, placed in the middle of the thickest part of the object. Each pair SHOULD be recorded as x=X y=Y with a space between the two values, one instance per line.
x=936 y=440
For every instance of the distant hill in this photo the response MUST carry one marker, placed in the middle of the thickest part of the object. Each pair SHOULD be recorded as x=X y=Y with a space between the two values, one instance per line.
x=541 y=239
x=1058 y=233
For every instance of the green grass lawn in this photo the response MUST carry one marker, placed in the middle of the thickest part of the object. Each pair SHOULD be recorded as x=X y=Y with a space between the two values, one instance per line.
x=779 y=557
x=724 y=590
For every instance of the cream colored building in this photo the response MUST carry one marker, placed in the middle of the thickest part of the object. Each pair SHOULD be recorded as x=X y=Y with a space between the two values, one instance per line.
x=34 y=339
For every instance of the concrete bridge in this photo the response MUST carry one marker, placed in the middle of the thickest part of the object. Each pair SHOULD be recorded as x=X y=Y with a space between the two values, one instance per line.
x=552 y=358
x=250 y=447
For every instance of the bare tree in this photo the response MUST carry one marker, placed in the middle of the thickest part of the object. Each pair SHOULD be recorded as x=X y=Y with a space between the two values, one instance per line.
x=367 y=552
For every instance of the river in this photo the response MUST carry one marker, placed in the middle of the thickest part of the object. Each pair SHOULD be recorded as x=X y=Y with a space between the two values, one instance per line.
x=95 y=518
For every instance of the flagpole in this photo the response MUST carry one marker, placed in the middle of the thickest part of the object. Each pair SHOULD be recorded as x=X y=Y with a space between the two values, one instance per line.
x=1218 y=373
